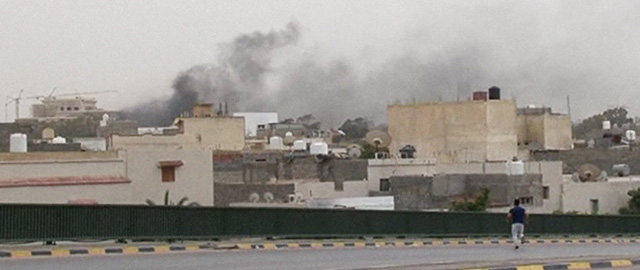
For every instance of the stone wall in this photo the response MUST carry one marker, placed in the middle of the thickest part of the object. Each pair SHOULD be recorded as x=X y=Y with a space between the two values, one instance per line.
x=261 y=167
x=437 y=192
x=226 y=193
x=603 y=158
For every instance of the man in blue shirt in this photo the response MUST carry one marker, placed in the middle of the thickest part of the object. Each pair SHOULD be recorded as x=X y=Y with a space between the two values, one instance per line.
x=518 y=216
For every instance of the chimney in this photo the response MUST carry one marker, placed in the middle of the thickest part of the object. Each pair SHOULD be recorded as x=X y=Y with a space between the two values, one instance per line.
x=203 y=110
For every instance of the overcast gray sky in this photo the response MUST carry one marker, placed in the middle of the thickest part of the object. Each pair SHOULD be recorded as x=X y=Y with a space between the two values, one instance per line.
x=378 y=51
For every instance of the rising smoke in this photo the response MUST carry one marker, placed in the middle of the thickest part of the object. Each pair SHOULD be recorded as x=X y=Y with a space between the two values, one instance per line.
x=332 y=92
x=236 y=79
x=537 y=57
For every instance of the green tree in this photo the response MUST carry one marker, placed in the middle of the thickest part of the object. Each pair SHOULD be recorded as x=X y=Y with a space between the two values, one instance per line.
x=356 y=129
x=480 y=204
x=633 y=205
x=617 y=115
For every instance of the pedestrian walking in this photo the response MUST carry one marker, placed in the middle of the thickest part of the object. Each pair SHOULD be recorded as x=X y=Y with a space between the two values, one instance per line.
x=518 y=217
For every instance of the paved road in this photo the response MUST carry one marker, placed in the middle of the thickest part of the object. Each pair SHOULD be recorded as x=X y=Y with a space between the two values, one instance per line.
x=357 y=258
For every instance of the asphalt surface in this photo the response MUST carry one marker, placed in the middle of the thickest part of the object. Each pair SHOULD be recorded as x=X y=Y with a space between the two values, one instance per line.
x=342 y=258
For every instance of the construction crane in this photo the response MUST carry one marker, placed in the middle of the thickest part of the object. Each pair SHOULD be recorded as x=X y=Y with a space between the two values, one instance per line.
x=16 y=101
x=76 y=94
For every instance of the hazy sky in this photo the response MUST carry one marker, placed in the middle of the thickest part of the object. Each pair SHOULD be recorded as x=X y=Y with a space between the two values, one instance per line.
x=375 y=52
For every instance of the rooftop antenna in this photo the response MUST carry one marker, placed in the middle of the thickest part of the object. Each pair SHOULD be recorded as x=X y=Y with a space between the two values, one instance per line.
x=226 y=109
x=569 y=106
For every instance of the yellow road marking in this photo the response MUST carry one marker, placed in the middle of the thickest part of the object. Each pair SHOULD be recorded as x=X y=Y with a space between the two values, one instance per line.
x=531 y=267
x=60 y=252
x=96 y=251
x=579 y=265
x=161 y=249
x=621 y=263
x=195 y=247
x=130 y=250
x=20 y=253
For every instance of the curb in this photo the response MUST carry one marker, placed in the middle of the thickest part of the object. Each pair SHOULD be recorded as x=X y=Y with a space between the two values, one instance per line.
x=420 y=243
x=66 y=252
x=570 y=265
x=300 y=244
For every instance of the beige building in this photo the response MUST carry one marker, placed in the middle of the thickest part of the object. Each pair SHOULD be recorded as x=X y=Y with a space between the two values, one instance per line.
x=207 y=132
x=540 y=129
x=381 y=170
x=124 y=177
x=597 y=197
x=453 y=132
x=65 y=107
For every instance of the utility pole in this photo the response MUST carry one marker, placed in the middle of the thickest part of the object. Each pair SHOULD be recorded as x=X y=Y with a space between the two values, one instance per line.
x=569 y=106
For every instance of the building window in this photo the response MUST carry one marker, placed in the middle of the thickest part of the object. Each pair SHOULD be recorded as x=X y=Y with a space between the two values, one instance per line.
x=595 y=207
x=545 y=192
x=385 y=185
x=68 y=108
x=76 y=108
x=526 y=200
x=62 y=108
x=169 y=169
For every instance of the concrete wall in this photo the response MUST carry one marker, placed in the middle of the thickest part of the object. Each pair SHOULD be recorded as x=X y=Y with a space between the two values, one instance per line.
x=226 y=194
x=552 y=178
x=603 y=158
x=16 y=167
x=386 y=168
x=60 y=177
x=558 y=132
x=103 y=194
x=502 y=141
x=545 y=131
x=456 y=131
x=194 y=179
x=611 y=195
x=327 y=190
x=438 y=192
x=253 y=119
x=215 y=133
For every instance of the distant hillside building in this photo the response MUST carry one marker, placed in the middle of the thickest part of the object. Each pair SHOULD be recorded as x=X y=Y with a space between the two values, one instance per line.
x=202 y=131
x=59 y=107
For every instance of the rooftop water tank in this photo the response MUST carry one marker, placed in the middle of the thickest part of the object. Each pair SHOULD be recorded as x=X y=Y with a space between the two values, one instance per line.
x=621 y=170
x=276 y=142
x=515 y=167
x=631 y=135
x=299 y=145
x=494 y=93
x=18 y=143
x=319 y=148
x=59 y=140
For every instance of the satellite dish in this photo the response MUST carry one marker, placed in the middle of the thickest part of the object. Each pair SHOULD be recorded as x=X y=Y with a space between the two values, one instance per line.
x=354 y=151
x=268 y=196
x=589 y=173
x=378 y=138
x=254 y=197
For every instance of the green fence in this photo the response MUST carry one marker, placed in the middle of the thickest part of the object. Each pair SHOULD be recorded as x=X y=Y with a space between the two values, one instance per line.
x=71 y=222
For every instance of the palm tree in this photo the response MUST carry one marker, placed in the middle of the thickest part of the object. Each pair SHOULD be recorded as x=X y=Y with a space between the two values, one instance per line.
x=167 y=202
